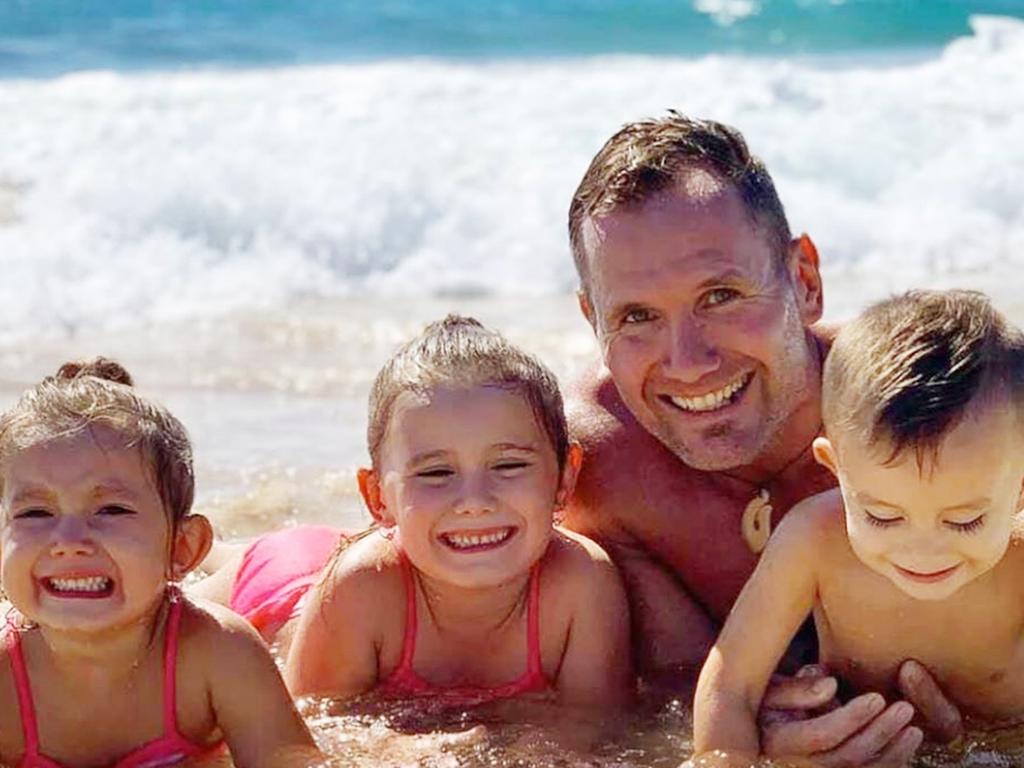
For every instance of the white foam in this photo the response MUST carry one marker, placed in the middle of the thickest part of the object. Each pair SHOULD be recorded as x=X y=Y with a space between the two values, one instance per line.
x=148 y=197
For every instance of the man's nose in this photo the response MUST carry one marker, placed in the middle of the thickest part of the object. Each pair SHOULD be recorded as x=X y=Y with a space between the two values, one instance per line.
x=476 y=496
x=71 y=536
x=691 y=353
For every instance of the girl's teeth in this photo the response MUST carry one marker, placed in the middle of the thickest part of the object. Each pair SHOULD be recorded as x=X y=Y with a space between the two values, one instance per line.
x=461 y=541
x=86 y=584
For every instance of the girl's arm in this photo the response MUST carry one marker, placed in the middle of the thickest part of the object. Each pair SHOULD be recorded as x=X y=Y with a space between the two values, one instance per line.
x=253 y=708
x=333 y=651
x=767 y=614
x=596 y=669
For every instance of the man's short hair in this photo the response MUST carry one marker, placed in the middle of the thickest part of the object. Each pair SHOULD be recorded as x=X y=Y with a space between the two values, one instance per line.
x=647 y=157
x=903 y=374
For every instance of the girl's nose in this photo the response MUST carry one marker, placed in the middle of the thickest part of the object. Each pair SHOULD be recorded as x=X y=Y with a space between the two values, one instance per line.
x=476 y=497
x=71 y=537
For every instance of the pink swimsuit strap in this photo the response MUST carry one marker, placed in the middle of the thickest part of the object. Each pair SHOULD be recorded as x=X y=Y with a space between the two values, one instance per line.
x=167 y=749
x=405 y=681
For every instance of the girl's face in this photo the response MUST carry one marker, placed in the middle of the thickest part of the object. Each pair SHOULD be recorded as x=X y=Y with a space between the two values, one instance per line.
x=84 y=542
x=471 y=480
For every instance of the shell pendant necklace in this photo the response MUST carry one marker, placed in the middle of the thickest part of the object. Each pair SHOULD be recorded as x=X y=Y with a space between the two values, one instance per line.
x=756 y=522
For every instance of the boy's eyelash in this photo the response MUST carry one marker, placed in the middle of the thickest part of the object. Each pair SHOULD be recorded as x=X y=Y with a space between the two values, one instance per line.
x=970 y=526
x=881 y=522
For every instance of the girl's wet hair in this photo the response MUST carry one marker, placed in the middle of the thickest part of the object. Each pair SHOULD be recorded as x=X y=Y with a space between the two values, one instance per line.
x=99 y=392
x=460 y=352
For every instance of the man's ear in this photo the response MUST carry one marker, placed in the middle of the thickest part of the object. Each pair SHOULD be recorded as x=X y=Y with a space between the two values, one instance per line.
x=369 y=489
x=192 y=541
x=805 y=275
x=825 y=454
x=586 y=308
x=570 y=472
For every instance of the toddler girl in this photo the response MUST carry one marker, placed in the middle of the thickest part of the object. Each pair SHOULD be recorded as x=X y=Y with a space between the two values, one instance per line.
x=106 y=663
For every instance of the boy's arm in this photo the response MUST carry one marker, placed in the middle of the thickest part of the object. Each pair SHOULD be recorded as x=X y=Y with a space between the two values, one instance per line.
x=333 y=651
x=767 y=614
x=596 y=669
x=253 y=708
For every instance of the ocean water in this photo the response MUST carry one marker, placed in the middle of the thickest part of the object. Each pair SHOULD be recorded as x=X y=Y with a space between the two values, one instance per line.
x=252 y=203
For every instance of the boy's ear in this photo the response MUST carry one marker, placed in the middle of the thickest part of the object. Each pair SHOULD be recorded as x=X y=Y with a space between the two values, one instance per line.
x=369 y=489
x=570 y=472
x=825 y=454
x=192 y=541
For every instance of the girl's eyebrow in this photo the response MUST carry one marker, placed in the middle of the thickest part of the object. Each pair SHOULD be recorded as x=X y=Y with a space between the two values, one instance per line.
x=419 y=458
x=526 y=448
x=31 y=492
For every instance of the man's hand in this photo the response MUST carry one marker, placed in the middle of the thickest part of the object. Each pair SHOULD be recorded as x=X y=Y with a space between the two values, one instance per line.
x=938 y=716
x=801 y=718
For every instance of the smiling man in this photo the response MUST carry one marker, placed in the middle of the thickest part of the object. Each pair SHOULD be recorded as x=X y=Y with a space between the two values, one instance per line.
x=698 y=426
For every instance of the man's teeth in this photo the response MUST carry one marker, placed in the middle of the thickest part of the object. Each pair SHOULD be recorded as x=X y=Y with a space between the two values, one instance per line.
x=466 y=540
x=87 y=584
x=712 y=400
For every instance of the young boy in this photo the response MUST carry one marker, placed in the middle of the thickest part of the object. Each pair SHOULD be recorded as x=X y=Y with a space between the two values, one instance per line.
x=919 y=552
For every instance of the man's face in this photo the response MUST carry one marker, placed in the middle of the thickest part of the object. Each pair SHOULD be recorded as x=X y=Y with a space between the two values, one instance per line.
x=701 y=327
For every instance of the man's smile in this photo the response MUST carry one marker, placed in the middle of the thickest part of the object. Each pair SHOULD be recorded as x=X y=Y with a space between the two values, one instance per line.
x=714 y=400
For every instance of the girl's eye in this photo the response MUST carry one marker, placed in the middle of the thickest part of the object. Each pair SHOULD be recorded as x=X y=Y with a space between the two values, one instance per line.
x=115 y=509
x=969 y=527
x=881 y=522
x=719 y=296
x=511 y=465
x=32 y=513
x=436 y=473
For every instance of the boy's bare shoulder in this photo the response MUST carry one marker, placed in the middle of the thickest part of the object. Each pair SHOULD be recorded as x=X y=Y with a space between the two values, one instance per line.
x=818 y=521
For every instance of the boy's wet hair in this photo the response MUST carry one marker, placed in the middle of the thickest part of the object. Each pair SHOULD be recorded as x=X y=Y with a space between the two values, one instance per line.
x=903 y=373
x=99 y=392
x=647 y=157
x=460 y=352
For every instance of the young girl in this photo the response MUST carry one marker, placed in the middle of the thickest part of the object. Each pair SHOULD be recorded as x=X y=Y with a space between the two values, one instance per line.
x=104 y=661
x=463 y=590
x=920 y=553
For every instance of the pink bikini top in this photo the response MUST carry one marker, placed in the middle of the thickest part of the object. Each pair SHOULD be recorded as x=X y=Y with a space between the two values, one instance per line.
x=168 y=749
x=403 y=682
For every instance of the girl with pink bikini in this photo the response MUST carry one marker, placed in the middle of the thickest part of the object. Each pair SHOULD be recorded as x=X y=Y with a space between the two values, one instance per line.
x=102 y=660
x=463 y=590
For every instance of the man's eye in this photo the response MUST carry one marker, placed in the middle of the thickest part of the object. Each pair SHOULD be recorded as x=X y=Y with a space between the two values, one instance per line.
x=32 y=513
x=115 y=509
x=720 y=296
x=969 y=526
x=881 y=522
x=637 y=316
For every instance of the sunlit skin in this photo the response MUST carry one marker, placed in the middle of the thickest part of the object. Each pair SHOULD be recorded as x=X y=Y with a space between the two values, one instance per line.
x=906 y=560
x=457 y=466
x=86 y=507
x=686 y=298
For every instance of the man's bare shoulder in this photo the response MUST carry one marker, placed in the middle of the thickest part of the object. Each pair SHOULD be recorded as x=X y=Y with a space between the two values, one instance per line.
x=625 y=469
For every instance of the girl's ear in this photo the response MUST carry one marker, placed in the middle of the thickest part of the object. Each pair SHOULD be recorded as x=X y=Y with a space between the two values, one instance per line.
x=825 y=454
x=369 y=489
x=571 y=471
x=192 y=541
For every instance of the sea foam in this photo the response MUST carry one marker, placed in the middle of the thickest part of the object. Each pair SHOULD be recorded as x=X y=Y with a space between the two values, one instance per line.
x=150 y=197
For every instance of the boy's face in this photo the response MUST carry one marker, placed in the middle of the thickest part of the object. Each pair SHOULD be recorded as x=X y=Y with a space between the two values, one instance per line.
x=932 y=531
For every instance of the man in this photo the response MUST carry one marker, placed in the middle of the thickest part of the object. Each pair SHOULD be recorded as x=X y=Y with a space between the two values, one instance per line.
x=698 y=426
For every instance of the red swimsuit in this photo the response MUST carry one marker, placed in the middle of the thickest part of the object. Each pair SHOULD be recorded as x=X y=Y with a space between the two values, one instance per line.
x=403 y=682
x=169 y=749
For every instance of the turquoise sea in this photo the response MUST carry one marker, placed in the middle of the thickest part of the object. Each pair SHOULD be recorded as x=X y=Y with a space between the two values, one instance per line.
x=252 y=202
